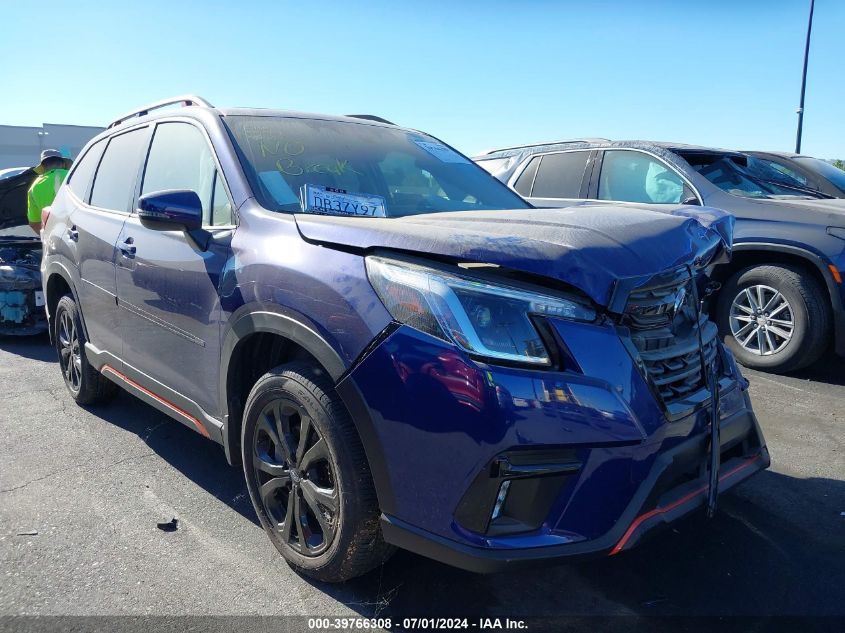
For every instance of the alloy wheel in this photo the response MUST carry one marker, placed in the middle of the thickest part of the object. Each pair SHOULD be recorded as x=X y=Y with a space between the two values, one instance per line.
x=296 y=477
x=761 y=320
x=70 y=354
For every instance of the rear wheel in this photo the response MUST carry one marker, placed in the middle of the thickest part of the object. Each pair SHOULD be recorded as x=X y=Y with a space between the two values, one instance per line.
x=774 y=317
x=85 y=384
x=308 y=476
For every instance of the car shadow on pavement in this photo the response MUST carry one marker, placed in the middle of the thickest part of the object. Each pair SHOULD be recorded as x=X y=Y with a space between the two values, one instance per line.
x=829 y=369
x=753 y=559
x=201 y=460
x=35 y=347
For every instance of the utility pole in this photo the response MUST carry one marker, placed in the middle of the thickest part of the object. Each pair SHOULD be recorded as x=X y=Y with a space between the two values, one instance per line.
x=41 y=134
x=804 y=80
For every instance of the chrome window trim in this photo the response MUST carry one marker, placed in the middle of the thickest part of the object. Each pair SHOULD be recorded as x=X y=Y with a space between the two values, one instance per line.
x=522 y=167
x=524 y=164
x=686 y=180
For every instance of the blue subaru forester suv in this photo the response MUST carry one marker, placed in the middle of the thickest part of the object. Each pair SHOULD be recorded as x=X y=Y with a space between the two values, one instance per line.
x=396 y=348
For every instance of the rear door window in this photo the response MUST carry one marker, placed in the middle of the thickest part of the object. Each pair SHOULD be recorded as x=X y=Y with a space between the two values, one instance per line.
x=631 y=176
x=560 y=175
x=114 y=185
x=79 y=179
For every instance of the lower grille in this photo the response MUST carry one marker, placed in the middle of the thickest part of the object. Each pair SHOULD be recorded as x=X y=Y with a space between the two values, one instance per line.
x=671 y=337
x=676 y=368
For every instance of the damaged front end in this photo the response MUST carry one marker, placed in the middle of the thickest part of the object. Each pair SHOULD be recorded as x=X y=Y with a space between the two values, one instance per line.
x=21 y=298
x=664 y=321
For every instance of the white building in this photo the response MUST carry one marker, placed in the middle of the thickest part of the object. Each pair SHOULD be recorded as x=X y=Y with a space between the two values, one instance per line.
x=20 y=146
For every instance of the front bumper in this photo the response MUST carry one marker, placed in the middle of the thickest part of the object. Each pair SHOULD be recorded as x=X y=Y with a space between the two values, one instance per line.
x=639 y=519
x=596 y=452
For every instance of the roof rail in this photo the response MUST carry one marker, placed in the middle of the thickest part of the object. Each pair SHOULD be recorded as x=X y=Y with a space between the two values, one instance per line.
x=370 y=117
x=185 y=100
x=563 y=142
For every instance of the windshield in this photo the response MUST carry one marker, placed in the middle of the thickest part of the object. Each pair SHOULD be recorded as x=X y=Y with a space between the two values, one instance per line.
x=394 y=171
x=769 y=170
x=830 y=172
x=732 y=174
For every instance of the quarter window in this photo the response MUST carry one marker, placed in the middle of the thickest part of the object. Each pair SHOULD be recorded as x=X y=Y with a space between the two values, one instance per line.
x=114 y=185
x=630 y=176
x=221 y=207
x=526 y=178
x=560 y=175
x=79 y=180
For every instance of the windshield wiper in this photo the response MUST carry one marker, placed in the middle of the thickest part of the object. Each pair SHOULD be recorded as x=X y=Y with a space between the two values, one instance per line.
x=799 y=191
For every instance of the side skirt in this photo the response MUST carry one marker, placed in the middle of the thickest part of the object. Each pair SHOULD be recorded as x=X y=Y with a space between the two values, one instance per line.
x=154 y=393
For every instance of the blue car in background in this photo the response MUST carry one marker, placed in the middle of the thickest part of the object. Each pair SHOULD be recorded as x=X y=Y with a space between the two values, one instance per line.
x=395 y=347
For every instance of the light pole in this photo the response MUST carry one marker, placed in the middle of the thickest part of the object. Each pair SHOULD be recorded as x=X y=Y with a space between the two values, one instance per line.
x=41 y=134
x=804 y=80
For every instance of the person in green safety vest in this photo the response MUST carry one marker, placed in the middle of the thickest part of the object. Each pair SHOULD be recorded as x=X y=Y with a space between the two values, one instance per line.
x=52 y=171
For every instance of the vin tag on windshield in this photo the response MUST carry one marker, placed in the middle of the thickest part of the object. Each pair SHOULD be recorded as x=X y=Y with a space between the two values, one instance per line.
x=331 y=201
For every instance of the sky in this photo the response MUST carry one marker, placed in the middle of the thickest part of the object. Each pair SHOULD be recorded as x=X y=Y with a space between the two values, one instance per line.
x=478 y=75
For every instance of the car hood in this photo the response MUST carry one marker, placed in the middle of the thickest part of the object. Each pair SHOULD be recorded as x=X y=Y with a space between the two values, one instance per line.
x=834 y=205
x=813 y=211
x=603 y=250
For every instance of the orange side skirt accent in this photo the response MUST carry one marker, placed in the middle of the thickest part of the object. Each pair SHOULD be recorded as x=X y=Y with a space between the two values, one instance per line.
x=199 y=425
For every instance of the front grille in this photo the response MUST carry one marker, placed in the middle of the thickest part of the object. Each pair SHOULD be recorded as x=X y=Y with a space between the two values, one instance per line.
x=675 y=368
x=664 y=328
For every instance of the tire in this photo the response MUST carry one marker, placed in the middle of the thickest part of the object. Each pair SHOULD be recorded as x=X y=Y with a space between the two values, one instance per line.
x=340 y=536
x=806 y=307
x=85 y=384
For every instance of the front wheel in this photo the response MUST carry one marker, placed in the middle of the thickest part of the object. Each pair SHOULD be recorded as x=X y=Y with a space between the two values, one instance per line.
x=774 y=317
x=308 y=477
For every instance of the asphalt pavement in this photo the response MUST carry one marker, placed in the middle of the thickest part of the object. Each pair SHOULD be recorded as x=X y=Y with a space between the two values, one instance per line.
x=83 y=489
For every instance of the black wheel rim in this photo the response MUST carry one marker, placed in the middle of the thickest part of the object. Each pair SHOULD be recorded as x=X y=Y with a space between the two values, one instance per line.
x=70 y=355
x=295 y=478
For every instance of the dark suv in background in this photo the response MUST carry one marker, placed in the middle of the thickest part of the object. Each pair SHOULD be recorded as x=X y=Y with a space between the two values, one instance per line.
x=397 y=349
x=781 y=302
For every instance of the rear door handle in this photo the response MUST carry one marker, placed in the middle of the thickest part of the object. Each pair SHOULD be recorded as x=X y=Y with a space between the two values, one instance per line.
x=127 y=246
x=73 y=234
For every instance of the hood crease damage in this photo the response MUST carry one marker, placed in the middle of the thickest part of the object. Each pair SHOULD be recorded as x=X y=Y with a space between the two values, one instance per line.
x=604 y=251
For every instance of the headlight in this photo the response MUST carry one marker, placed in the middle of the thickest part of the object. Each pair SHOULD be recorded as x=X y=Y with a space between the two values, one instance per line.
x=479 y=317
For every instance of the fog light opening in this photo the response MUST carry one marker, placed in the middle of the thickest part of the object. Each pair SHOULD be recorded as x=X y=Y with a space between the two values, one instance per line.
x=500 y=499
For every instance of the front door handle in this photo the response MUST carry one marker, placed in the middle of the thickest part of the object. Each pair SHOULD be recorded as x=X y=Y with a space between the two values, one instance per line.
x=73 y=234
x=127 y=247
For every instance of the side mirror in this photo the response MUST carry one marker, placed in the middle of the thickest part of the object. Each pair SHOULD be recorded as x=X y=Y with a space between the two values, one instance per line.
x=171 y=209
x=691 y=200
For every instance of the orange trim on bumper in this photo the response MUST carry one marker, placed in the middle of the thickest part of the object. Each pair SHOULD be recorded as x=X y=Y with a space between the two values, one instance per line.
x=678 y=502
x=199 y=425
x=835 y=272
